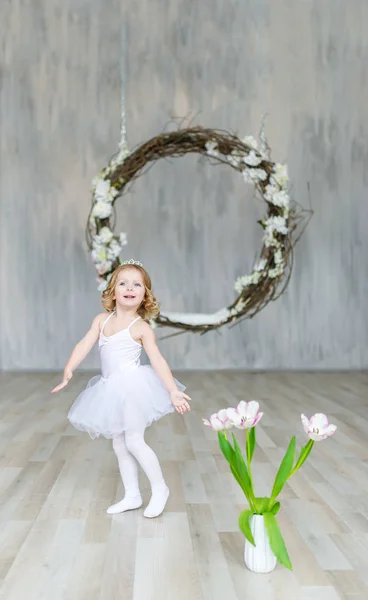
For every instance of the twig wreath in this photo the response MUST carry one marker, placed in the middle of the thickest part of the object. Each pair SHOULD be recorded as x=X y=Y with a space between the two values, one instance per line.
x=271 y=272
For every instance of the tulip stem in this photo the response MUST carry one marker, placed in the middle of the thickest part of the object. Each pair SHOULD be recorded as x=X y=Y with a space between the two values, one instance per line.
x=247 y=448
x=249 y=461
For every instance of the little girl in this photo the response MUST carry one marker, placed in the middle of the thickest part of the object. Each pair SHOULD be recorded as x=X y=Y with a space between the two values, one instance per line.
x=127 y=397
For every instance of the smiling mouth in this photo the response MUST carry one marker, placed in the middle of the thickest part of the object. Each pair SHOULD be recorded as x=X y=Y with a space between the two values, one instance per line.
x=129 y=297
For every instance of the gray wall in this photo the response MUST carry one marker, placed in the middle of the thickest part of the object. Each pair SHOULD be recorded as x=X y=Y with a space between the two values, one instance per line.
x=304 y=62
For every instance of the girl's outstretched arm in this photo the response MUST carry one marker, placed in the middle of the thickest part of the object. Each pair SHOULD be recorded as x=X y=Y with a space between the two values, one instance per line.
x=81 y=349
x=159 y=364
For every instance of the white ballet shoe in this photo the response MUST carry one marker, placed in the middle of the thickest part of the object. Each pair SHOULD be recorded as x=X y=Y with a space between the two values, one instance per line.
x=157 y=502
x=124 y=505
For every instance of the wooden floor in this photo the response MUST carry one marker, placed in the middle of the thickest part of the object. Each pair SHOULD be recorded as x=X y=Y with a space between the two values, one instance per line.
x=56 y=541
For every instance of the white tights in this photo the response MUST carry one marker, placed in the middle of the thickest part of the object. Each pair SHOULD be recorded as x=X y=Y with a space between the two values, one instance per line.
x=130 y=449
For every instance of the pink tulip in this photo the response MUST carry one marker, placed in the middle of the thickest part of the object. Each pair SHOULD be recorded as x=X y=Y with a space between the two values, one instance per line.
x=317 y=427
x=218 y=421
x=246 y=415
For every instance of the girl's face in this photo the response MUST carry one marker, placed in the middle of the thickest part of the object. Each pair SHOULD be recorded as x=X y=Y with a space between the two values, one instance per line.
x=129 y=289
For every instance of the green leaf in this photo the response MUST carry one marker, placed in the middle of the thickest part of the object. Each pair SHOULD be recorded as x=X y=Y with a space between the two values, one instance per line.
x=276 y=507
x=237 y=464
x=244 y=525
x=251 y=443
x=261 y=505
x=226 y=448
x=237 y=478
x=304 y=453
x=284 y=469
x=241 y=467
x=276 y=540
x=230 y=455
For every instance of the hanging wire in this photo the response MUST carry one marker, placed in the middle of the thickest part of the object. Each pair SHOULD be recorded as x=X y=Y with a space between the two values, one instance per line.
x=123 y=130
x=262 y=71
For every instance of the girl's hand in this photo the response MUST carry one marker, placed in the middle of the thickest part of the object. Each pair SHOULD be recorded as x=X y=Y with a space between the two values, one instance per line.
x=179 y=401
x=66 y=378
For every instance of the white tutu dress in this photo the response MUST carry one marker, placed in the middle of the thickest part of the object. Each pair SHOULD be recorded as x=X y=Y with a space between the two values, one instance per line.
x=127 y=396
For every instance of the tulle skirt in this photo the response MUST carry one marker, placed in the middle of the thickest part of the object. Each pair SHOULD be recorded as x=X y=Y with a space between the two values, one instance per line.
x=124 y=401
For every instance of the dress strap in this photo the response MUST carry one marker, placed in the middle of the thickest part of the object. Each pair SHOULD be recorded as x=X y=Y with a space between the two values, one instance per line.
x=132 y=323
x=105 y=321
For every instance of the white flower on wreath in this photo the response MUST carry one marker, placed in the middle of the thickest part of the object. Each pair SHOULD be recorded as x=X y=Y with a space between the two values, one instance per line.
x=95 y=181
x=102 y=189
x=252 y=159
x=246 y=280
x=254 y=175
x=119 y=159
x=281 y=199
x=99 y=253
x=270 y=241
x=105 y=235
x=212 y=150
x=280 y=175
x=123 y=154
x=278 y=257
x=251 y=141
x=276 y=272
x=112 y=194
x=261 y=265
x=101 y=210
x=277 y=197
x=104 y=267
x=238 y=307
x=113 y=250
x=241 y=283
x=105 y=192
x=276 y=224
x=270 y=191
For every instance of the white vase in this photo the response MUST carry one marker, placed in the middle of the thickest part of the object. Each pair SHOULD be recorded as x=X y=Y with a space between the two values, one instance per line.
x=259 y=558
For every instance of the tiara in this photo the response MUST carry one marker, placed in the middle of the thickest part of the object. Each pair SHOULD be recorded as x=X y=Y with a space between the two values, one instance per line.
x=132 y=262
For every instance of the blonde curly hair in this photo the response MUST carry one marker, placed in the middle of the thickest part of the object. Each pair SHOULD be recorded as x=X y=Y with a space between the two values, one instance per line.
x=149 y=309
